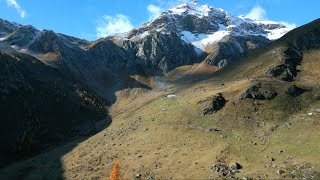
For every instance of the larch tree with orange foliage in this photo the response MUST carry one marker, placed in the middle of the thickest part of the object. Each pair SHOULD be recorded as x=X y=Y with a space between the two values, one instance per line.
x=115 y=174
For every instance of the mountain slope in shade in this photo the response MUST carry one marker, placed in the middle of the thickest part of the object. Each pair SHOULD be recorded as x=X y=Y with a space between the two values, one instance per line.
x=40 y=107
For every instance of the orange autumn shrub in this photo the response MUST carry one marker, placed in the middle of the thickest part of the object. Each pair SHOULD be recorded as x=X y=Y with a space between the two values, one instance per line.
x=115 y=174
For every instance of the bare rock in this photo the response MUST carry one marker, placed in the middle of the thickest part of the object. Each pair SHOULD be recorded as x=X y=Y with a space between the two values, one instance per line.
x=295 y=91
x=286 y=69
x=212 y=104
x=259 y=92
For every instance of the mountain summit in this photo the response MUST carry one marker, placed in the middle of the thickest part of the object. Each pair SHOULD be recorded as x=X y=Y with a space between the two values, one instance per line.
x=204 y=25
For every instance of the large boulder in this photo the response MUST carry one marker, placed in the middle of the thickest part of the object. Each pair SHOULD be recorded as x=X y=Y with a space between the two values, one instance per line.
x=230 y=48
x=286 y=69
x=259 y=92
x=295 y=91
x=212 y=104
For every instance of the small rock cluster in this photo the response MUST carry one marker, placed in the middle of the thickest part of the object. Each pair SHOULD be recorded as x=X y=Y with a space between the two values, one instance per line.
x=259 y=92
x=224 y=170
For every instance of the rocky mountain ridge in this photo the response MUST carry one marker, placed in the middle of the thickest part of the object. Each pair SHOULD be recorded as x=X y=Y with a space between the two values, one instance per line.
x=188 y=26
x=208 y=30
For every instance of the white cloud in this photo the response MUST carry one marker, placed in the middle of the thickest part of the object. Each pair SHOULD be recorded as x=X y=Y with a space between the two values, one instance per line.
x=14 y=4
x=154 y=11
x=174 y=3
x=112 y=25
x=257 y=13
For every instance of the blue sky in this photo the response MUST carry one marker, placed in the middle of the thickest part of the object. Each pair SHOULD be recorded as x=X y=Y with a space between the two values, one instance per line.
x=91 y=19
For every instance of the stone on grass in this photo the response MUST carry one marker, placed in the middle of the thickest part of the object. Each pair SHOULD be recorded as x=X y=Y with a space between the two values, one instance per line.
x=212 y=104
x=259 y=92
x=295 y=91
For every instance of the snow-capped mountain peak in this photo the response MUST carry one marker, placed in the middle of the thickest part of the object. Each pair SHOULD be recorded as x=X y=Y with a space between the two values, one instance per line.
x=191 y=8
x=204 y=25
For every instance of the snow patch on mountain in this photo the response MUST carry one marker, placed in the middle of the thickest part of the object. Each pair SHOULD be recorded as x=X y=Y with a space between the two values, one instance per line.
x=274 y=32
x=277 y=33
x=192 y=8
x=201 y=41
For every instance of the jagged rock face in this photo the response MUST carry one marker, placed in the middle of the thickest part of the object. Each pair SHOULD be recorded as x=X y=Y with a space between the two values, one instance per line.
x=107 y=54
x=286 y=70
x=231 y=48
x=7 y=27
x=48 y=41
x=22 y=36
x=165 y=51
x=196 y=25
x=270 y=26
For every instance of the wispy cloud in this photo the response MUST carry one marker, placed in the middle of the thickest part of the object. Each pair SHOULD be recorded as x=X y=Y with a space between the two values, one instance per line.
x=154 y=11
x=162 y=5
x=174 y=3
x=14 y=4
x=257 y=13
x=110 y=25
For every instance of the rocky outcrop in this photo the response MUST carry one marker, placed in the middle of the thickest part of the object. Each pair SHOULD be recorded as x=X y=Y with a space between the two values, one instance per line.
x=47 y=42
x=224 y=170
x=22 y=36
x=259 y=92
x=165 y=51
x=7 y=27
x=295 y=91
x=212 y=104
x=286 y=70
x=230 y=48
